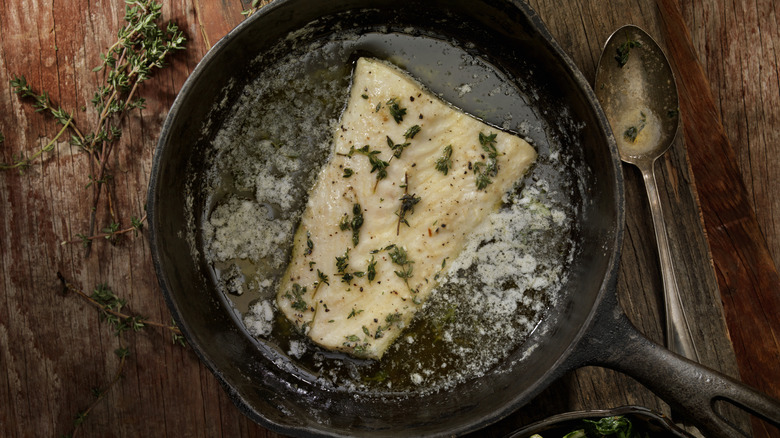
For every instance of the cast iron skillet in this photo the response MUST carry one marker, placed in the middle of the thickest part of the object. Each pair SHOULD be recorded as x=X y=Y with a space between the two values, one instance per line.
x=586 y=326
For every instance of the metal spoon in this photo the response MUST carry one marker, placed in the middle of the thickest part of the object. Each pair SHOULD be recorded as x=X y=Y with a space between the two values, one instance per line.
x=637 y=90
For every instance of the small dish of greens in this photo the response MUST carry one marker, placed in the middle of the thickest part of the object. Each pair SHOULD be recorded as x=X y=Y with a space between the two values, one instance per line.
x=623 y=422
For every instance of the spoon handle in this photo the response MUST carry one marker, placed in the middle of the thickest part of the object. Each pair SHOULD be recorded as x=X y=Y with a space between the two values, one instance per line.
x=678 y=331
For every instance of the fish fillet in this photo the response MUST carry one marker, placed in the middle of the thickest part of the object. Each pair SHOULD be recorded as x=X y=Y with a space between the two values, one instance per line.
x=409 y=178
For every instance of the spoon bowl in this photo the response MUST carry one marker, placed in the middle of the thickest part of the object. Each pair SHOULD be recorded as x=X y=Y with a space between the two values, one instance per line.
x=637 y=89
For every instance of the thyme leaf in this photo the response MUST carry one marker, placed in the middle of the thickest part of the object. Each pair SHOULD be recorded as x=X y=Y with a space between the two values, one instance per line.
x=407 y=207
x=397 y=149
x=353 y=224
x=357 y=222
x=624 y=50
x=377 y=164
x=399 y=257
x=485 y=171
x=342 y=262
x=444 y=163
x=296 y=297
x=632 y=132
x=309 y=244
x=371 y=270
x=322 y=278
x=396 y=111
x=412 y=131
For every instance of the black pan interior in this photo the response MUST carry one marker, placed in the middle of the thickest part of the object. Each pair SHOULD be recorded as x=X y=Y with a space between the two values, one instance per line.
x=506 y=34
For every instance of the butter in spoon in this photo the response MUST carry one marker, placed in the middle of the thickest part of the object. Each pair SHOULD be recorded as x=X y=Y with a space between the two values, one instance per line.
x=637 y=90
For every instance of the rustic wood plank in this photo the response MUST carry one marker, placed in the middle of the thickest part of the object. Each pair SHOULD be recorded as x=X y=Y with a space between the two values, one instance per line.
x=737 y=45
x=749 y=281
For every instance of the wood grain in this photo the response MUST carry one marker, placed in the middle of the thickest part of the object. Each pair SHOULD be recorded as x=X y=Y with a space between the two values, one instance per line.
x=54 y=349
x=749 y=281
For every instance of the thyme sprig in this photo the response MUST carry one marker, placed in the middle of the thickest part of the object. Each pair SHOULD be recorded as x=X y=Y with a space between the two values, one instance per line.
x=399 y=257
x=110 y=310
x=111 y=232
x=342 y=263
x=141 y=47
x=353 y=223
x=377 y=164
x=110 y=307
x=41 y=103
x=22 y=163
x=407 y=205
x=322 y=278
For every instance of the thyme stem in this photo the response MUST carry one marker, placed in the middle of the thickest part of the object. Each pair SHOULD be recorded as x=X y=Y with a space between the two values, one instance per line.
x=102 y=392
x=24 y=163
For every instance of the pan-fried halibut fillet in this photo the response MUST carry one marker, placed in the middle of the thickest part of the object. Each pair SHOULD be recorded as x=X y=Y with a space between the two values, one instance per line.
x=409 y=179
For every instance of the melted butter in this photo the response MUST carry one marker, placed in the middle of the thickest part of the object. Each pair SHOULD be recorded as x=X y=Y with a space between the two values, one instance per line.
x=637 y=131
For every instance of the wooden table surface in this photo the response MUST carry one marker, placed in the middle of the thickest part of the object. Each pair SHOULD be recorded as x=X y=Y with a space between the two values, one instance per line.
x=54 y=349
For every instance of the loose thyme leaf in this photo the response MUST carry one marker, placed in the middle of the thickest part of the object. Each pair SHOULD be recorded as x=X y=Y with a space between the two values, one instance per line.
x=342 y=262
x=488 y=143
x=344 y=224
x=444 y=163
x=412 y=131
x=371 y=270
x=484 y=171
x=357 y=222
x=296 y=296
x=482 y=176
x=624 y=49
x=309 y=244
x=396 y=111
x=353 y=224
x=407 y=207
x=632 y=132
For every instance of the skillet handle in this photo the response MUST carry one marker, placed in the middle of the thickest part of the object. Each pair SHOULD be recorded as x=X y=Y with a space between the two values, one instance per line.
x=687 y=386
